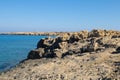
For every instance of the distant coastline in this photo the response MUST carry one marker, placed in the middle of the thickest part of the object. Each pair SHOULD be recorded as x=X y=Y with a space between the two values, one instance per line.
x=49 y=33
x=32 y=33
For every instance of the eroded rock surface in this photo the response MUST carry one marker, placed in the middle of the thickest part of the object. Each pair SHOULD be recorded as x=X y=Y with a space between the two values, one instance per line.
x=72 y=56
x=84 y=41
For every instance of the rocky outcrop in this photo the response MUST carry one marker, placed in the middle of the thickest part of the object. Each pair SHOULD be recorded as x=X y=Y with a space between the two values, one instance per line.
x=72 y=56
x=75 y=43
x=101 y=66
x=103 y=33
x=36 y=54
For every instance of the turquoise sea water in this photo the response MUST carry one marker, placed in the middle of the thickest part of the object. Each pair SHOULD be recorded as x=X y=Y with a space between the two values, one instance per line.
x=14 y=48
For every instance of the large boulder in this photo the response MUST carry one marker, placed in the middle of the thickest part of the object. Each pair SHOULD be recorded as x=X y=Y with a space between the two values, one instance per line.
x=90 y=47
x=60 y=52
x=62 y=45
x=97 y=33
x=59 y=45
x=40 y=53
x=63 y=37
x=45 y=43
x=74 y=38
x=83 y=34
x=36 y=54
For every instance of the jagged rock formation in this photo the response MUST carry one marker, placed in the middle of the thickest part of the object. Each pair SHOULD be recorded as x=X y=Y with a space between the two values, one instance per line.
x=81 y=55
x=75 y=43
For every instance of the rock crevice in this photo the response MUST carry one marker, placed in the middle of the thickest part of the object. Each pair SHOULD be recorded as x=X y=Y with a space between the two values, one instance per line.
x=75 y=43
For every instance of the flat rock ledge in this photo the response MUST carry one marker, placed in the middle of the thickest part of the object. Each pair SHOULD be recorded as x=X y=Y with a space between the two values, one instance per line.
x=80 y=55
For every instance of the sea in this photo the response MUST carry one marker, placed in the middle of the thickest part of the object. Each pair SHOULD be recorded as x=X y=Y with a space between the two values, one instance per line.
x=15 y=48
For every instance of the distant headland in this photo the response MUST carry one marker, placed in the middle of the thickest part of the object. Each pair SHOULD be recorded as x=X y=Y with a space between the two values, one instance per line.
x=56 y=33
x=31 y=33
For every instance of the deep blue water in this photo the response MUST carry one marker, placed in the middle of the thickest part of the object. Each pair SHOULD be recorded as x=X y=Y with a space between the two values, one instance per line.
x=14 y=48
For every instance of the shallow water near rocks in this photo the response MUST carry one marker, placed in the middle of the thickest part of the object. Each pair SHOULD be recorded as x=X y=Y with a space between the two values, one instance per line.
x=14 y=48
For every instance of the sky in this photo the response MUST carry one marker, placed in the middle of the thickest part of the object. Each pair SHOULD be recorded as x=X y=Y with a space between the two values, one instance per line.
x=58 y=15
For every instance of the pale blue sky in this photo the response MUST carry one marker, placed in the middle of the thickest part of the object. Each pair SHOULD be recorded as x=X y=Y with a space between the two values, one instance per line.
x=59 y=15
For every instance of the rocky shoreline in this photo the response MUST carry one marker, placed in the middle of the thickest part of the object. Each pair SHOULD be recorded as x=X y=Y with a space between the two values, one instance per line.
x=33 y=33
x=80 y=55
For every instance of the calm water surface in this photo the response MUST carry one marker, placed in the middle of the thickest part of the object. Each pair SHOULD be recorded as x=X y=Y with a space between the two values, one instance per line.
x=14 y=48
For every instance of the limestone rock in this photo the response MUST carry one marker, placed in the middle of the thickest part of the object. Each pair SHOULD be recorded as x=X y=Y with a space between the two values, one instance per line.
x=76 y=43
x=62 y=45
x=58 y=58
x=97 y=33
x=44 y=43
x=63 y=37
x=102 y=33
x=74 y=37
x=60 y=52
x=36 y=54
x=83 y=34
x=90 y=47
